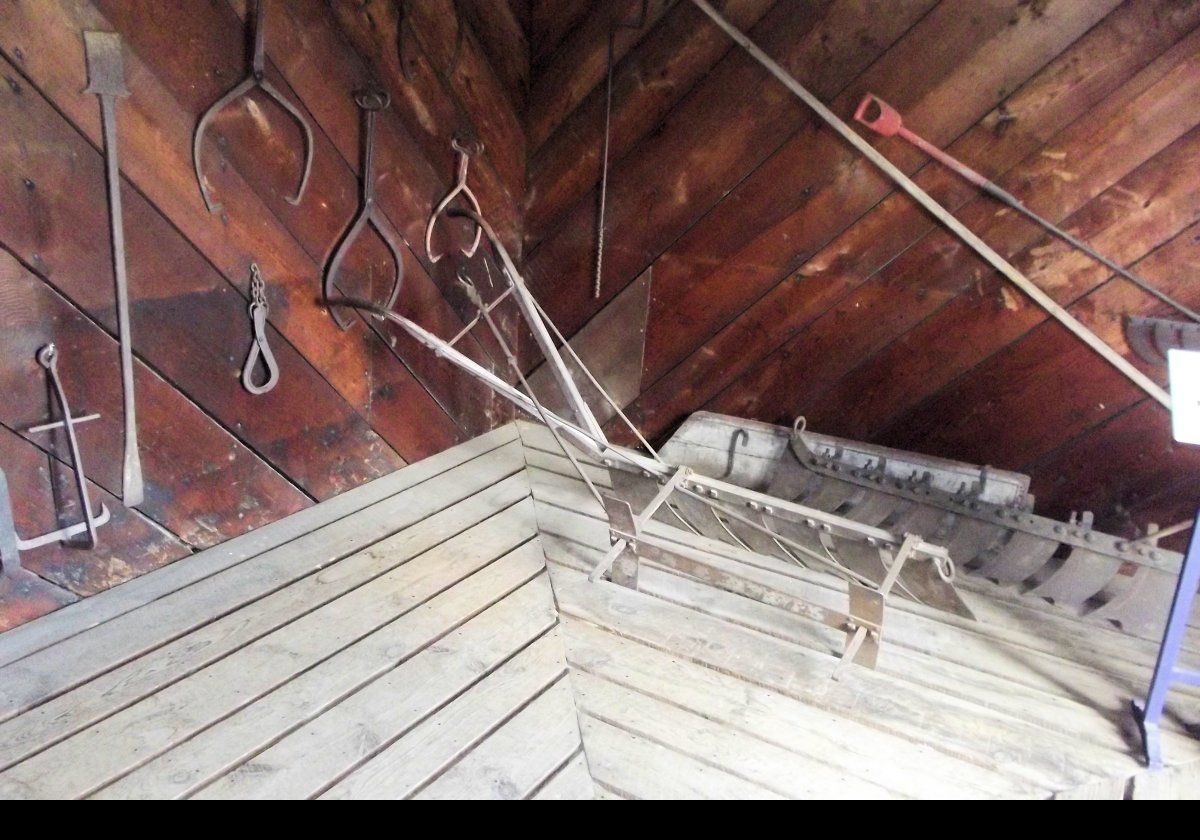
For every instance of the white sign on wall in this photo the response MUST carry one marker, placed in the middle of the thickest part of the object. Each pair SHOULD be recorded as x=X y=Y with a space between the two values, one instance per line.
x=1183 y=368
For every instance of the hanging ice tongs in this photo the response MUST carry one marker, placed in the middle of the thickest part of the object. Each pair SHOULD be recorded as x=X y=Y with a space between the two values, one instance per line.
x=256 y=78
x=10 y=543
x=371 y=102
x=460 y=188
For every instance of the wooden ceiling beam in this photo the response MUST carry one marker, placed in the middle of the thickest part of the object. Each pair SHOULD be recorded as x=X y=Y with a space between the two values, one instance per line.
x=499 y=32
x=549 y=23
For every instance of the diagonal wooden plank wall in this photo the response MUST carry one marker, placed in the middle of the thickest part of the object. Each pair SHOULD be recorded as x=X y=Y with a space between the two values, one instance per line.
x=349 y=406
x=789 y=278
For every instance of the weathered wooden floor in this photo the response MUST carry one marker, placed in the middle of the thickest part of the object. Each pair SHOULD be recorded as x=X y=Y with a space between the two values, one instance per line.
x=433 y=634
x=687 y=690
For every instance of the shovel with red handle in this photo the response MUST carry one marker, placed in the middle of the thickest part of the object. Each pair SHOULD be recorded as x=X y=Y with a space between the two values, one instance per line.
x=883 y=119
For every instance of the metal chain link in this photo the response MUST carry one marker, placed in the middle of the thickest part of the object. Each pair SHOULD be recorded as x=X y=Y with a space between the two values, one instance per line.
x=258 y=288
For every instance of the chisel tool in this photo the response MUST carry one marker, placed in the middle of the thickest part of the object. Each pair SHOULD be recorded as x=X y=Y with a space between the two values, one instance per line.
x=106 y=79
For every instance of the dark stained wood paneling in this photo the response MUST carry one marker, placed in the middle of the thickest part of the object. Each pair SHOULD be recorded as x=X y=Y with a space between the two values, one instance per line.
x=647 y=83
x=581 y=63
x=1134 y=216
x=48 y=500
x=349 y=406
x=1127 y=470
x=815 y=187
x=788 y=277
x=206 y=37
x=711 y=141
x=454 y=51
x=500 y=32
x=940 y=268
x=56 y=181
x=549 y=23
x=1066 y=89
x=426 y=105
x=202 y=483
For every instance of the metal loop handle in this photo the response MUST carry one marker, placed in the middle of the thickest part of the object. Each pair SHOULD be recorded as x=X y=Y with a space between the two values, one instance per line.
x=372 y=99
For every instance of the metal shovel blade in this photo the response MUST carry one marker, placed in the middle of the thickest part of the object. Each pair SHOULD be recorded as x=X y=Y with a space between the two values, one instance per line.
x=105 y=65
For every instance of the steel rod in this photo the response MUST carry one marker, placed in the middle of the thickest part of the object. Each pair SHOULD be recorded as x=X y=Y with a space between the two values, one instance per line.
x=939 y=212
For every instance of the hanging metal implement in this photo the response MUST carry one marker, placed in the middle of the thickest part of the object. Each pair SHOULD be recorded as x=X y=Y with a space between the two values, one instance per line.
x=939 y=212
x=460 y=188
x=371 y=102
x=10 y=543
x=256 y=78
x=259 y=348
x=106 y=79
x=885 y=120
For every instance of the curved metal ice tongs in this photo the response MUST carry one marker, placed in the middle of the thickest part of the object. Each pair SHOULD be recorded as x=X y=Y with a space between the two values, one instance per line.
x=371 y=102
x=460 y=188
x=256 y=78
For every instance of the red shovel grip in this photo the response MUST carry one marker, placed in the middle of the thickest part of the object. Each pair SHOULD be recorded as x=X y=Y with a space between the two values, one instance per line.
x=887 y=122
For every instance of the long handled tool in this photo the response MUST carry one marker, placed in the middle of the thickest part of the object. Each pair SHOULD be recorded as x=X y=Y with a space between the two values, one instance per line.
x=106 y=79
x=938 y=211
x=883 y=119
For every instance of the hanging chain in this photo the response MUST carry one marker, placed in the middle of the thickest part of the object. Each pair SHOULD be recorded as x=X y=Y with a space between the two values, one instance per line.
x=258 y=288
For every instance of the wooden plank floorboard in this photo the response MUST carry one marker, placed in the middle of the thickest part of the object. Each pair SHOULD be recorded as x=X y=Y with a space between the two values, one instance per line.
x=632 y=767
x=520 y=756
x=91 y=612
x=482 y=598
x=759 y=762
x=119 y=688
x=421 y=755
x=573 y=781
x=1008 y=744
x=847 y=746
x=51 y=671
x=136 y=734
x=317 y=755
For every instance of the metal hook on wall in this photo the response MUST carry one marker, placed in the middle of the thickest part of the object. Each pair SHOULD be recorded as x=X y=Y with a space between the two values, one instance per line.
x=371 y=102
x=256 y=78
x=460 y=188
